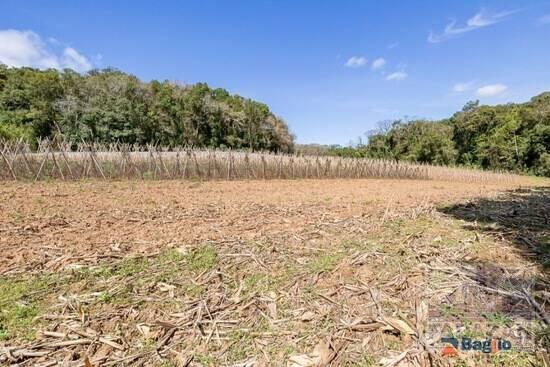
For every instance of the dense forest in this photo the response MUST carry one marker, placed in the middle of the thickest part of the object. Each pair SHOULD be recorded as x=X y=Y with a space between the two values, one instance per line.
x=112 y=106
x=511 y=137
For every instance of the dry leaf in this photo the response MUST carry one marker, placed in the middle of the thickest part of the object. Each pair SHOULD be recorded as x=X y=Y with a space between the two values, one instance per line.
x=181 y=250
x=236 y=298
x=248 y=363
x=164 y=287
x=321 y=356
x=144 y=330
x=272 y=306
x=325 y=352
x=399 y=325
x=302 y=360
x=307 y=316
x=390 y=362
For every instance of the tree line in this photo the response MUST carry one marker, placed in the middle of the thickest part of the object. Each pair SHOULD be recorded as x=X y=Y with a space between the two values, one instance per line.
x=512 y=137
x=112 y=106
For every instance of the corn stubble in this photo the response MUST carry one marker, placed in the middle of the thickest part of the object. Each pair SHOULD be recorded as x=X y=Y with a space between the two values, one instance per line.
x=66 y=161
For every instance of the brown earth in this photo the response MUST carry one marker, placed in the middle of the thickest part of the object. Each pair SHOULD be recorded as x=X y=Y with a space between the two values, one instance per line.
x=270 y=273
x=48 y=226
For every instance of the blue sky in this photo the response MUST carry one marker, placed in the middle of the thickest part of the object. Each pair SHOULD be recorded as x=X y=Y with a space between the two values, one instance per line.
x=331 y=69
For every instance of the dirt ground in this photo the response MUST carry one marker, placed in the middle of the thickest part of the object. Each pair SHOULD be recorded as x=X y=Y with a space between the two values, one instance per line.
x=47 y=227
x=266 y=273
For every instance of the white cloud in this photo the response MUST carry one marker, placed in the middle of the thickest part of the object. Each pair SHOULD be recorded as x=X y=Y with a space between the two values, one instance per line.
x=398 y=75
x=545 y=19
x=26 y=48
x=491 y=90
x=73 y=60
x=356 y=62
x=392 y=45
x=462 y=87
x=378 y=63
x=479 y=20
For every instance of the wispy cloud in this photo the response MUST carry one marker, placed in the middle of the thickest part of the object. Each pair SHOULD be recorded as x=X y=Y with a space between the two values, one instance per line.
x=74 y=60
x=26 y=48
x=356 y=62
x=392 y=45
x=398 y=75
x=480 y=20
x=544 y=20
x=462 y=87
x=491 y=90
x=378 y=63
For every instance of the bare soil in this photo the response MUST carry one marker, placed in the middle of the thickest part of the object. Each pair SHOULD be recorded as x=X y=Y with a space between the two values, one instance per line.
x=267 y=273
x=48 y=226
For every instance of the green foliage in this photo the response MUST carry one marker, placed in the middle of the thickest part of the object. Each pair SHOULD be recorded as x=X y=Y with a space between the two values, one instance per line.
x=13 y=132
x=421 y=141
x=112 y=106
x=497 y=319
x=512 y=137
x=20 y=304
x=324 y=262
x=202 y=259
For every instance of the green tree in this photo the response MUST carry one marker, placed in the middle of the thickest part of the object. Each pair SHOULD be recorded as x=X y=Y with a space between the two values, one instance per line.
x=111 y=106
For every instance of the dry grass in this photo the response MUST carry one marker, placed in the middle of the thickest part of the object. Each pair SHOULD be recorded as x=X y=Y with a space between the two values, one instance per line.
x=295 y=273
x=76 y=161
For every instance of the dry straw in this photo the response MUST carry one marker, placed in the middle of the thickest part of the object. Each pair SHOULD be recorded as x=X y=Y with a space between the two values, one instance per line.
x=68 y=161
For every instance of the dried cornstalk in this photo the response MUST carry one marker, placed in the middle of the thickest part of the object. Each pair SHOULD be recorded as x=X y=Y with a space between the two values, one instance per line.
x=114 y=161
